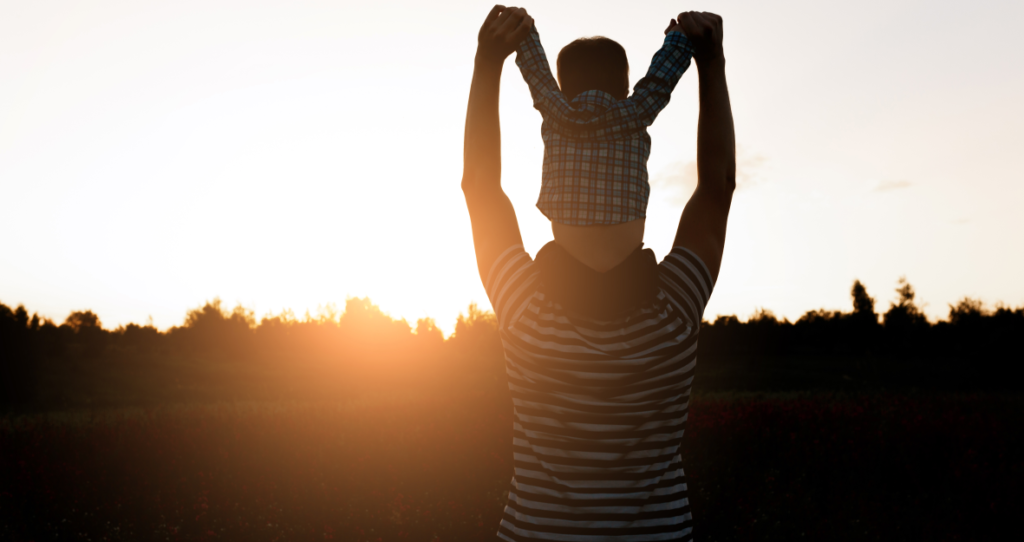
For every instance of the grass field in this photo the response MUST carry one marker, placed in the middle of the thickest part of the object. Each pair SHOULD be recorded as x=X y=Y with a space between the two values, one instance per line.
x=761 y=467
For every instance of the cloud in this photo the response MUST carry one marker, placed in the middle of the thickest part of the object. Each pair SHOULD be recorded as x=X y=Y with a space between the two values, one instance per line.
x=888 y=186
x=747 y=167
x=679 y=179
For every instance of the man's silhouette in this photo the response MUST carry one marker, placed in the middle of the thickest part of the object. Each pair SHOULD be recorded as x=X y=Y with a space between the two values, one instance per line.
x=600 y=343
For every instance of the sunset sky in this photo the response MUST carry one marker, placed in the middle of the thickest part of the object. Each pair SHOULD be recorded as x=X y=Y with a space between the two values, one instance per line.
x=154 y=155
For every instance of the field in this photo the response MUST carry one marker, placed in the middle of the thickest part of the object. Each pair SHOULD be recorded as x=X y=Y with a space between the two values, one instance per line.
x=761 y=467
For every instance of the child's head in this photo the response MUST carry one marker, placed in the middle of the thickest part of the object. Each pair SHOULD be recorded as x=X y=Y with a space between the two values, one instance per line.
x=596 y=63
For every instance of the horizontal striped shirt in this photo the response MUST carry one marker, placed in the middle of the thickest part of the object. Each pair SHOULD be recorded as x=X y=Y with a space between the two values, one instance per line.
x=600 y=406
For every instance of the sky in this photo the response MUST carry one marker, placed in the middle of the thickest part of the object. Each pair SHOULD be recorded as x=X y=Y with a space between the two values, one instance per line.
x=287 y=155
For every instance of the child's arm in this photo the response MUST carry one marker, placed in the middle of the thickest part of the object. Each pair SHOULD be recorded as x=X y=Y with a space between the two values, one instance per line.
x=533 y=63
x=651 y=94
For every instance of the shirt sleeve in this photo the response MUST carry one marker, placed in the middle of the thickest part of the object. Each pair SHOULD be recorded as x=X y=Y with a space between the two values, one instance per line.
x=651 y=94
x=510 y=283
x=533 y=64
x=687 y=282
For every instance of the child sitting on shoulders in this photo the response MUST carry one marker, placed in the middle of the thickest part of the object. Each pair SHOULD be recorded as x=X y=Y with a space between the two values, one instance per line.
x=594 y=185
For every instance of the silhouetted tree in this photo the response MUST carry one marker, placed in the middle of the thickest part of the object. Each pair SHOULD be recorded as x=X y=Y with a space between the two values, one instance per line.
x=904 y=312
x=138 y=339
x=820 y=331
x=427 y=332
x=17 y=362
x=476 y=325
x=967 y=311
x=861 y=334
x=905 y=324
x=863 y=304
x=83 y=320
x=476 y=339
x=766 y=332
x=84 y=334
x=371 y=333
x=213 y=330
x=727 y=321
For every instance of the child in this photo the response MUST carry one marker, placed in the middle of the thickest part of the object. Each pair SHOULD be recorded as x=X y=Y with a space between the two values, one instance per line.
x=596 y=143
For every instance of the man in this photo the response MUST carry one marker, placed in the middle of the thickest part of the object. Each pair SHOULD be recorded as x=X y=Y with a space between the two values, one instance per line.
x=600 y=362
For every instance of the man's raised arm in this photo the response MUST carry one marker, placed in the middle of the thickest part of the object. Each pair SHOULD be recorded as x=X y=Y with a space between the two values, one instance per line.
x=495 y=227
x=702 y=226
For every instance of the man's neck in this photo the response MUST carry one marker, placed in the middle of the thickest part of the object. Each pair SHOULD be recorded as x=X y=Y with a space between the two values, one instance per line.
x=600 y=247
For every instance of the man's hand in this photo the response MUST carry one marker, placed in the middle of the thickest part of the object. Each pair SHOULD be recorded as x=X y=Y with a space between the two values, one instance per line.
x=703 y=224
x=704 y=30
x=503 y=30
x=673 y=26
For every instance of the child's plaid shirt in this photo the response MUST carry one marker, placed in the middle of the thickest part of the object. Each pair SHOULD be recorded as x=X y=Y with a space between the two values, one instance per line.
x=596 y=147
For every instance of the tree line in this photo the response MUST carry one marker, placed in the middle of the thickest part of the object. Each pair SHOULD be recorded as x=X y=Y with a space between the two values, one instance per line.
x=973 y=348
x=221 y=354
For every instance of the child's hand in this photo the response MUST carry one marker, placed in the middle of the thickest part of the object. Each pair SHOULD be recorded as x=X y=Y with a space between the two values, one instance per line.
x=503 y=30
x=673 y=26
x=704 y=30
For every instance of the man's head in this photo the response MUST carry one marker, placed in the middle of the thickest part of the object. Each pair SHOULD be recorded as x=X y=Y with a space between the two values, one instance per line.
x=596 y=63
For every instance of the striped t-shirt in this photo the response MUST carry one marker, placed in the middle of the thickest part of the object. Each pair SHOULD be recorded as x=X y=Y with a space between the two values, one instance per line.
x=600 y=406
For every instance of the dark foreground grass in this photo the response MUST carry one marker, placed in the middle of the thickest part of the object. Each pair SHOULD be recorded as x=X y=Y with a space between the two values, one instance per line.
x=780 y=467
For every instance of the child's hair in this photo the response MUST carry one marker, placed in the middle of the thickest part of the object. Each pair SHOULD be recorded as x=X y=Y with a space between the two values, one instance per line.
x=596 y=63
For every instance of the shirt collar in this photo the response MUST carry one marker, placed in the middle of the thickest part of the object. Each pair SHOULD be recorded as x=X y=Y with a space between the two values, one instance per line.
x=594 y=98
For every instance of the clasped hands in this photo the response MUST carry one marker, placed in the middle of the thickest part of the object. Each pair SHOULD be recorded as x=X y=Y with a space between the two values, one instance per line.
x=506 y=27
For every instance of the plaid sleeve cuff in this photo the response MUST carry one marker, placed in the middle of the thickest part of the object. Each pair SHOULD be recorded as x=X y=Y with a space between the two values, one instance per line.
x=676 y=38
x=530 y=48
